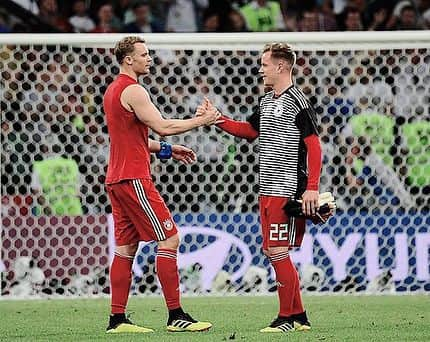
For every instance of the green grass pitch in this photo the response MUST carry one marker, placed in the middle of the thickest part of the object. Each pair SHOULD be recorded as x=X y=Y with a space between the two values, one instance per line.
x=334 y=318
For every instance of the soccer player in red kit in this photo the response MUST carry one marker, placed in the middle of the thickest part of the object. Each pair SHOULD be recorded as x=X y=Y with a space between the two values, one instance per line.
x=290 y=164
x=138 y=210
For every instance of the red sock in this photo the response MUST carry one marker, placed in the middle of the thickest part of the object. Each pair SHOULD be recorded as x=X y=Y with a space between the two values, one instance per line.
x=286 y=278
x=120 y=282
x=297 y=303
x=167 y=271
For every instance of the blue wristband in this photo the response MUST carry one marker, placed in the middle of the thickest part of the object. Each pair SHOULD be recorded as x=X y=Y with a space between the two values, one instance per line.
x=165 y=151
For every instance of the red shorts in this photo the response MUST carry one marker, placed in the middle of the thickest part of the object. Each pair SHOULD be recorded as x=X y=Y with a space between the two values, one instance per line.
x=277 y=228
x=139 y=212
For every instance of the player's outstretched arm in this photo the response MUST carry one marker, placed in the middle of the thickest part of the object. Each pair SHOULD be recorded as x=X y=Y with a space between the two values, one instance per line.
x=240 y=129
x=136 y=99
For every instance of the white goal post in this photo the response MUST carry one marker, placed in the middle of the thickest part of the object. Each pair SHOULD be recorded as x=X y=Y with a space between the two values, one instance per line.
x=310 y=41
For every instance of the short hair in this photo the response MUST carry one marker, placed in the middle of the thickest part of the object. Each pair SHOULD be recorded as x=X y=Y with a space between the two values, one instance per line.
x=139 y=4
x=126 y=46
x=407 y=8
x=351 y=9
x=281 y=50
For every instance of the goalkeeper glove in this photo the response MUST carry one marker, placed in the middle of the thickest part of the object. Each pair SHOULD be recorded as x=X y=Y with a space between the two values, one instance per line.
x=326 y=208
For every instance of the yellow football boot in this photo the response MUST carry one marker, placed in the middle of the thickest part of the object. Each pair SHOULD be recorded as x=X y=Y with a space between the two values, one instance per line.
x=182 y=321
x=279 y=325
x=301 y=322
x=119 y=324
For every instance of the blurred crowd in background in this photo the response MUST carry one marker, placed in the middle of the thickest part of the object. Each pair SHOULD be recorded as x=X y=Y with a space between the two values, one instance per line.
x=146 y=16
x=372 y=108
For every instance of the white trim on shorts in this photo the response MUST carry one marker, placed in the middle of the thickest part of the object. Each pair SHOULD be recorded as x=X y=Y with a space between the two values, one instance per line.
x=146 y=206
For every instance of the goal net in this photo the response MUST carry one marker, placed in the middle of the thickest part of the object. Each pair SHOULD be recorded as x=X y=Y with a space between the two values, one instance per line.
x=371 y=93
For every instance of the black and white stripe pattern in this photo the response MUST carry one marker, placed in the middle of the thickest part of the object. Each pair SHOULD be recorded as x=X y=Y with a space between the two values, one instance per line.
x=279 y=142
x=285 y=327
x=146 y=206
x=181 y=323
x=292 y=230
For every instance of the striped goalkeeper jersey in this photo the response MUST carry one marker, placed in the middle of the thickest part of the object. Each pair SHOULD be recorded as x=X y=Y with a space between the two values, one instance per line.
x=283 y=122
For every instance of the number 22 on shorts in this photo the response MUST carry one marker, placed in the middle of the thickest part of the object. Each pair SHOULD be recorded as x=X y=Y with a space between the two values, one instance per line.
x=278 y=232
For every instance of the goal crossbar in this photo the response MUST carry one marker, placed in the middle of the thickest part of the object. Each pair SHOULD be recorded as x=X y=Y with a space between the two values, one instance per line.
x=311 y=41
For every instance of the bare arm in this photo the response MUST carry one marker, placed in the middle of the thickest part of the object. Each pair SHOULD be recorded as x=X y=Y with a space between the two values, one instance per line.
x=179 y=152
x=154 y=146
x=240 y=129
x=137 y=99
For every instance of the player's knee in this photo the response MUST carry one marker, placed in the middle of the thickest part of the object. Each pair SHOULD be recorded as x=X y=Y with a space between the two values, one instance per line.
x=170 y=243
x=126 y=250
x=274 y=250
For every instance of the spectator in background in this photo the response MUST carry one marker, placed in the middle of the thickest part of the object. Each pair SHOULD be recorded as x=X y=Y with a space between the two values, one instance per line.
x=263 y=15
x=4 y=27
x=364 y=7
x=351 y=20
x=159 y=10
x=424 y=10
x=123 y=10
x=56 y=181
x=48 y=11
x=237 y=22
x=408 y=19
x=312 y=19
x=185 y=15
x=379 y=19
x=339 y=6
x=211 y=23
x=144 y=22
x=29 y=5
x=80 y=21
x=395 y=14
x=218 y=9
x=107 y=22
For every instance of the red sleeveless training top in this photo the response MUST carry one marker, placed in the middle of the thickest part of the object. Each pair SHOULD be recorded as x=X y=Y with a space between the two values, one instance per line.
x=129 y=156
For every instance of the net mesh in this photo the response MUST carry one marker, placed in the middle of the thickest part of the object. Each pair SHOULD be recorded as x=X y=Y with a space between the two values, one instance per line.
x=373 y=108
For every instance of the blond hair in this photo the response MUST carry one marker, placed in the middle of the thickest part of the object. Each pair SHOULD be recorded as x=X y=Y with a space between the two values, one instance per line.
x=281 y=50
x=125 y=47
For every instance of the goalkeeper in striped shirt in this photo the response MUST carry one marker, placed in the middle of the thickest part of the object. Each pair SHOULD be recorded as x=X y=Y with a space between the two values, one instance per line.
x=290 y=163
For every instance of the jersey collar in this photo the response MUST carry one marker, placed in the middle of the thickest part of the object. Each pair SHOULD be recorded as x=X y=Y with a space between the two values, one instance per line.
x=283 y=92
